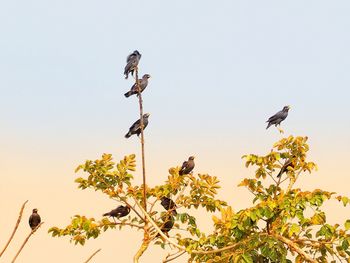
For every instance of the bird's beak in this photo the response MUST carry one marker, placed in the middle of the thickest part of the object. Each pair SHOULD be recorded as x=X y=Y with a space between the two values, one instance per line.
x=289 y=107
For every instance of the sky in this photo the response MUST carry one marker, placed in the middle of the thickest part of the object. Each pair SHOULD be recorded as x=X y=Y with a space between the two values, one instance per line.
x=219 y=70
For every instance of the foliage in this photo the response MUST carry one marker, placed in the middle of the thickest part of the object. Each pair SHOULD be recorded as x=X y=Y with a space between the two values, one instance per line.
x=284 y=223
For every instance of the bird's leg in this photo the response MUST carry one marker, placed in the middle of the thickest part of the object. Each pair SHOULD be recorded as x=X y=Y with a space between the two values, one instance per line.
x=280 y=130
x=114 y=220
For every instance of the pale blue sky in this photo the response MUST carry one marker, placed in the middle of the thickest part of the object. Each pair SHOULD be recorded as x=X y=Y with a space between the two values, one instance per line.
x=219 y=70
x=231 y=63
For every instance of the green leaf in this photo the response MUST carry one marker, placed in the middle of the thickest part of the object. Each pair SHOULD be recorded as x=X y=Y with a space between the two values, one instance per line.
x=347 y=224
x=294 y=229
x=345 y=200
x=247 y=258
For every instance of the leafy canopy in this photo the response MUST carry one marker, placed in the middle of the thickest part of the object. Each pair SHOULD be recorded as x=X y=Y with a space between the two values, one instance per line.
x=284 y=224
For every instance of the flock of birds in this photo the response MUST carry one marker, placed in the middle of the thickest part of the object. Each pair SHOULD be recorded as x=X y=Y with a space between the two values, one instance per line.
x=132 y=62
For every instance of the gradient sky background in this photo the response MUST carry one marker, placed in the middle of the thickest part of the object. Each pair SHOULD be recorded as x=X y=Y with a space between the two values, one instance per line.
x=219 y=70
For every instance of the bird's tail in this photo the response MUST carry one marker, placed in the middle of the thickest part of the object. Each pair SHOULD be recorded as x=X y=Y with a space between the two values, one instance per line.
x=128 y=135
x=105 y=214
x=279 y=174
x=128 y=94
x=268 y=125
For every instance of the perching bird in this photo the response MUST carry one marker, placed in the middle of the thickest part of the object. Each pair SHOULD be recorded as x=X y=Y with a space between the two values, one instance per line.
x=169 y=204
x=187 y=166
x=284 y=168
x=34 y=219
x=131 y=63
x=119 y=212
x=278 y=117
x=143 y=84
x=168 y=223
x=136 y=127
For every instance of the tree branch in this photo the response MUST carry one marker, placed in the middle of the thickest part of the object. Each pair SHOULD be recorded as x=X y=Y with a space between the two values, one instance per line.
x=141 y=250
x=171 y=257
x=15 y=229
x=201 y=252
x=26 y=240
x=294 y=247
x=142 y=141
x=98 y=250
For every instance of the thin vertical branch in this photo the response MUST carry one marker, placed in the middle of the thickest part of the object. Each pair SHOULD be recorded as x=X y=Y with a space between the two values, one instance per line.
x=25 y=241
x=98 y=250
x=141 y=250
x=142 y=141
x=15 y=229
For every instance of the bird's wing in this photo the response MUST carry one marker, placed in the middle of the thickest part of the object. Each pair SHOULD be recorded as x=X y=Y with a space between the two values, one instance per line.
x=30 y=220
x=136 y=125
x=184 y=165
x=130 y=57
x=276 y=116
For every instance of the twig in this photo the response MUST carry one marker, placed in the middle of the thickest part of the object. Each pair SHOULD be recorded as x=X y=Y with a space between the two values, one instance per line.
x=126 y=224
x=15 y=229
x=26 y=240
x=270 y=174
x=171 y=257
x=98 y=250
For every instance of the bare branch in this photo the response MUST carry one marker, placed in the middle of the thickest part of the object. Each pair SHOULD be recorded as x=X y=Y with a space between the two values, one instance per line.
x=98 y=250
x=15 y=229
x=171 y=257
x=294 y=247
x=26 y=240
x=142 y=249
x=142 y=141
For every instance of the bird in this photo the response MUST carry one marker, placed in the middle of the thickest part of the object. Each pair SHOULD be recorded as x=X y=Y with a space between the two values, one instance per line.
x=131 y=63
x=136 y=127
x=119 y=212
x=284 y=168
x=168 y=223
x=34 y=219
x=187 y=166
x=143 y=84
x=168 y=204
x=278 y=117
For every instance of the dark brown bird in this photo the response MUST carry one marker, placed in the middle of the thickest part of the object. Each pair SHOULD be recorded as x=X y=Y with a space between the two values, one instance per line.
x=34 y=219
x=132 y=62
x=284 y=168
x=143 y=84
x=278 y=117
x=119 y=212
x=168 y=223
x=169 y=205
x=187 y=166
x=136 y=127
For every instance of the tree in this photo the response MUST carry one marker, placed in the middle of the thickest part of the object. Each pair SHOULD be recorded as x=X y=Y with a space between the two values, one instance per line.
x=283 y=224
